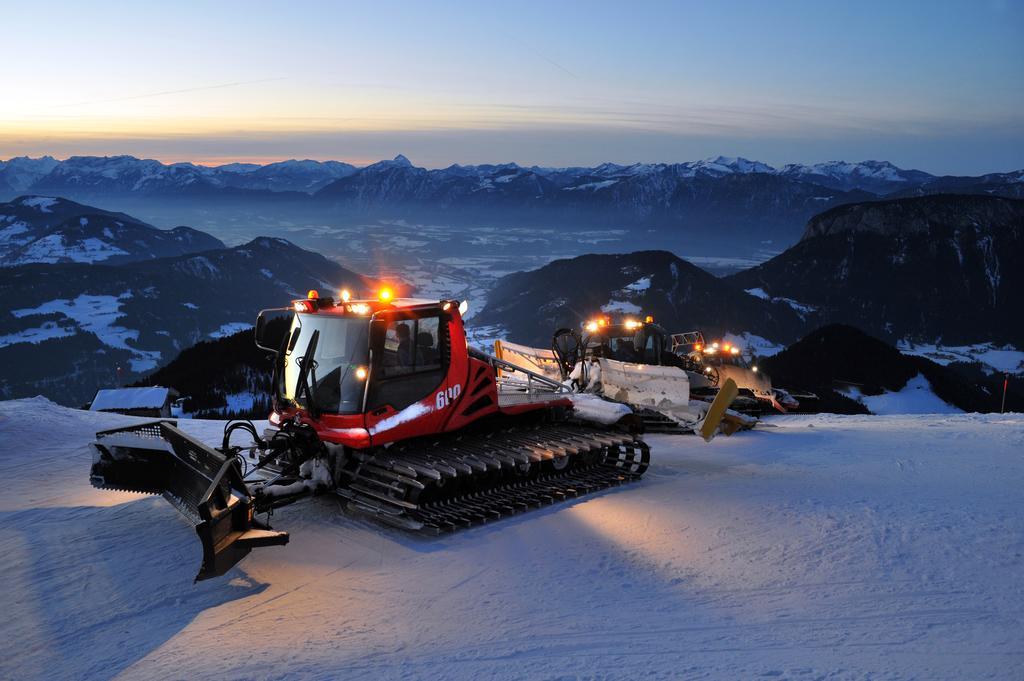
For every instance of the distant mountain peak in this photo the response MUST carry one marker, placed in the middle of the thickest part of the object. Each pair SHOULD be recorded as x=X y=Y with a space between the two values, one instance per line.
x=680 y=295
x=270 y=242
x=879 y=177
x=739 y=164
x=24 y=160
x=915 y=215
x=936 y=269
x=239 y=167
x=43 y=229
x=398 y=162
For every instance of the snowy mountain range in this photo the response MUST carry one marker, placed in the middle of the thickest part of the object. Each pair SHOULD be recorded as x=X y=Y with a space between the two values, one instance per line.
x=127 y=174
x=40 y=229
x=708 y=205
x=641 y=185
x=20 y=173
x=712 y=206
x=91 y=176
x=878 y=177
x=68 y=328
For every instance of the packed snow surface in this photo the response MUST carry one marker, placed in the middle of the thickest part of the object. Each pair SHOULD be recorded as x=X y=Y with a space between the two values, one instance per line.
x=817 y=547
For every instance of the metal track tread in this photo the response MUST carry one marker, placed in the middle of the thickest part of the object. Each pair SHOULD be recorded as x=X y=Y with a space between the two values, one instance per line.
x=463 y=480
x=481 y=507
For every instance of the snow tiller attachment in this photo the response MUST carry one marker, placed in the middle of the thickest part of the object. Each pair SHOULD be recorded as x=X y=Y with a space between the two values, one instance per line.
x=382 y=404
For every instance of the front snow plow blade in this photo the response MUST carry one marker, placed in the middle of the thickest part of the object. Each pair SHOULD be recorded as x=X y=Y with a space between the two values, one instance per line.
x=717 y=412
x=205 y=485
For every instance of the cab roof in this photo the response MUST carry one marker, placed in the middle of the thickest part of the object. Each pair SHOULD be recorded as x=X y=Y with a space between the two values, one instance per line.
x=362 y=306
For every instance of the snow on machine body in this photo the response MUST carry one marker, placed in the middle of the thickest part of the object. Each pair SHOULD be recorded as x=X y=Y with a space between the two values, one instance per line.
x=382 y=402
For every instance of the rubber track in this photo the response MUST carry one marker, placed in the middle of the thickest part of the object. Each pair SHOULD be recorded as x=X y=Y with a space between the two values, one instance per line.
x=467 y=480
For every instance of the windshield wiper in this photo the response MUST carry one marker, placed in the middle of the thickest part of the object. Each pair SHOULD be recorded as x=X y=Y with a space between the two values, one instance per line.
x=306 y=364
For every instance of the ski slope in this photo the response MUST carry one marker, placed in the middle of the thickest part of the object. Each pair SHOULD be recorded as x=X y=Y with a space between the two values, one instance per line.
x=818 y=547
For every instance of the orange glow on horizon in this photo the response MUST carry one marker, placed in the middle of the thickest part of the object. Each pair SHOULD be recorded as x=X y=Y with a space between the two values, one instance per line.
x=208 y=161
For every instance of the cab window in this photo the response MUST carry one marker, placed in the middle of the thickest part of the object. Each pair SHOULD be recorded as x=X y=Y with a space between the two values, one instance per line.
x=411 y=362
x=411 y=346
x=623 y=349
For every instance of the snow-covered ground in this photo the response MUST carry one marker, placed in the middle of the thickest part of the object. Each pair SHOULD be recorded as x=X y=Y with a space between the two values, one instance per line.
x=801 y=309
x=994 y=358
x=817 y=547
x=230 y=329
x=916 y=397
x=96 y=314
x=752 y=345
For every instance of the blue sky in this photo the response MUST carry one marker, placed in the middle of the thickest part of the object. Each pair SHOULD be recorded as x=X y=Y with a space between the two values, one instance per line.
x=934 y=85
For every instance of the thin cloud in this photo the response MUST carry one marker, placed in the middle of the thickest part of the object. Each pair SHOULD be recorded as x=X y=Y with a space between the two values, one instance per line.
x=164 y=93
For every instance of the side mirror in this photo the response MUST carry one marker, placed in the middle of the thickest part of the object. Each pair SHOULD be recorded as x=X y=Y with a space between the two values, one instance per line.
x=261 y=335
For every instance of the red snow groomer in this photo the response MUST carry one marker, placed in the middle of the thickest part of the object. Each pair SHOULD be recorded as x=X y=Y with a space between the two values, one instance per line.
x=382 y=402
